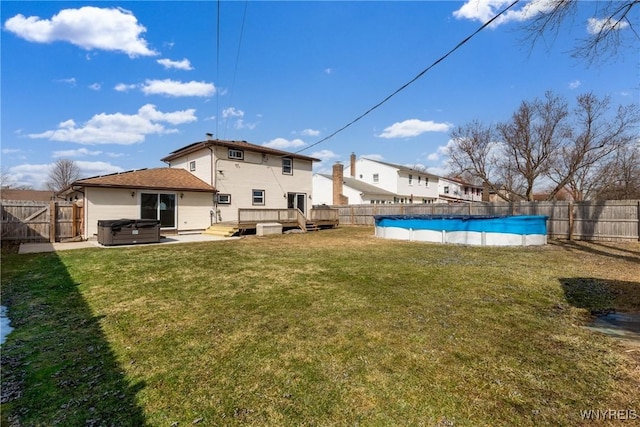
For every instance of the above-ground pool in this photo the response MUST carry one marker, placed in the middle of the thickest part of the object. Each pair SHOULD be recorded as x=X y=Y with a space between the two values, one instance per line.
x=524 y=230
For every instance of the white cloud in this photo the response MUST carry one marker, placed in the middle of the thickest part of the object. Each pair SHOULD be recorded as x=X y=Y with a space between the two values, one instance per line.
x=185 y=64
x=324 y=155
x=70 y=81
x=232 y=112
x=95 y=86
x=575 y=84
x=177 y=88
x=112 y=29
x=311 y=132
x=119 y=128
x=282 y=143
x=81 y=152
x=97 y=168
x=413 y=127
x=121 y=87
x=484 y=10
x=11 y=150
x=596 y=25
x=328 y=70
x=378 y=157
x=433 y=157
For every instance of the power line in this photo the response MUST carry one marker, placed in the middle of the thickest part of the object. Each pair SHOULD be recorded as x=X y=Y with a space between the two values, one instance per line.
x=235 y=69
x=404 y=86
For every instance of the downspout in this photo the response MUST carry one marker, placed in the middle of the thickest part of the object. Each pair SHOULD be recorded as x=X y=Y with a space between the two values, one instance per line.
x=214 y=182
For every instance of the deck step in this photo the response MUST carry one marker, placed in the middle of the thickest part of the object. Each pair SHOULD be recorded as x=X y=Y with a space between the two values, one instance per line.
x=311 y=226
x=221 y=230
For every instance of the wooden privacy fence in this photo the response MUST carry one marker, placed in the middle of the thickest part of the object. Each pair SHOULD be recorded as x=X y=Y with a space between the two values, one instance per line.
x=40 y=221
x=605 y=220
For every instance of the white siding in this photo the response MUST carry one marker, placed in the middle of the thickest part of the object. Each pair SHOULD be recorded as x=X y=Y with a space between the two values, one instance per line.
x=108 y=203
x=387 y=175
x=193 y=208
x=322 y=190
x=258 y=172
x=203 y=159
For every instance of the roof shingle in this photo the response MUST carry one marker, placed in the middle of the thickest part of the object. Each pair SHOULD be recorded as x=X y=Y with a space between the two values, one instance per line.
x=157 y=178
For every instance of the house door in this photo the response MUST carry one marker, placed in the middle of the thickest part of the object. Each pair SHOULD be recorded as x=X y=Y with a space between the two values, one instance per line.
x=159 y=206
x=297 y=200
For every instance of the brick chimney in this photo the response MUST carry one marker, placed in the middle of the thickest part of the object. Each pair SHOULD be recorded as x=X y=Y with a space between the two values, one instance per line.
x=353 y=165
x=338 y=181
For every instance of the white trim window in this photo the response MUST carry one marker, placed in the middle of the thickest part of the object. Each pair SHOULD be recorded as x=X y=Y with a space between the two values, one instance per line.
x=410 y=179
x=192 y=166
x=257 y=197
x=376 y=178
x=223 y=199
x=287 y=166
x=235 y=154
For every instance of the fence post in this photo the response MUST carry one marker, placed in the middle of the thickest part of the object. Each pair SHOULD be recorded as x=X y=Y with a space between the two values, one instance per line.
x=638 y=220
x=52 y=221
x=570 y=220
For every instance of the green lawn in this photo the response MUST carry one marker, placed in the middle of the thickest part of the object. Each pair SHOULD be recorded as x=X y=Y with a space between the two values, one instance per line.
x=329 y=328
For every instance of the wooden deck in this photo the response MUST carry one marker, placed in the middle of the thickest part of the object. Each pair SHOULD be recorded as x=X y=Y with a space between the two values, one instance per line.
x=248 y=219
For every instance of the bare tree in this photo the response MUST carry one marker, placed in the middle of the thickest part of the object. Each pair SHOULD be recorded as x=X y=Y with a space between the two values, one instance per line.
x=532 y=139
x=597 y=138
x=620 y=177
x=62 y=174
x=607 y=29
x=544 y=144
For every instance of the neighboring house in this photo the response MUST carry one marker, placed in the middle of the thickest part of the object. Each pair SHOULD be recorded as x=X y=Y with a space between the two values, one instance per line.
x=181 y=201
x=373 y=181
x=357 y=192
x=247 y=175
x=458 y=190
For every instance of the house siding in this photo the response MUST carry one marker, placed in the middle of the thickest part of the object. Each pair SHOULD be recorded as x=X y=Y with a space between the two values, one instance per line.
x=192 y=213
x=238 y=178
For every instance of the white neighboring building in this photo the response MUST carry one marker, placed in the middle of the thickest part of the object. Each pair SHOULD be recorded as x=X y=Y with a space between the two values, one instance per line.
x=372 y=181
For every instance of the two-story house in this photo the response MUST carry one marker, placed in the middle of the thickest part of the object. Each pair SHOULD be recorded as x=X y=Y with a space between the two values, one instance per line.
x=373 y=181
x=247 y=175
x=206 y=183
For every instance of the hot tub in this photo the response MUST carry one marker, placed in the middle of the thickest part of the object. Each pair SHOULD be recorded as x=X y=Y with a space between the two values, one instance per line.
x=522 y=230
x=128 y=231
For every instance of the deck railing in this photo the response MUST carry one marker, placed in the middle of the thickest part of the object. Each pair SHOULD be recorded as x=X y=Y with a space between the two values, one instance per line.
x=288 y=216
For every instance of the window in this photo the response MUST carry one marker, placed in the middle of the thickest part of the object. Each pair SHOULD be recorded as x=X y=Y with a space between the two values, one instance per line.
x=446 y=189
x=426 y=181
x=410 y=179
x=419 y=179
x=258 y=197
x=236 y=154
x=287 y=166
x=376 y=178
x=223 y=199
x=192 y=165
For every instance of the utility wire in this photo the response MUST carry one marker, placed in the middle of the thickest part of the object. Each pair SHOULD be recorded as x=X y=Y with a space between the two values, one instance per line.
x=235 y=69
x=423 y=72
x=217 y=65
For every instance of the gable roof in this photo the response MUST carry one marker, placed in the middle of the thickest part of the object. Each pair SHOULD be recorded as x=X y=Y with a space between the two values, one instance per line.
x=239 y=145
x=401 y=168
x=176 y=179
x=361 y=186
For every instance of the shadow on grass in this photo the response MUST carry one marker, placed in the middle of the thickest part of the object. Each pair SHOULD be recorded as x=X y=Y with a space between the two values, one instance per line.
x=603 y=298
x=596 y=248
x=57 y=366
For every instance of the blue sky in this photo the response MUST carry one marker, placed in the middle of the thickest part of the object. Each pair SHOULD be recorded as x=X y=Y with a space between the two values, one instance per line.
x=116 y=86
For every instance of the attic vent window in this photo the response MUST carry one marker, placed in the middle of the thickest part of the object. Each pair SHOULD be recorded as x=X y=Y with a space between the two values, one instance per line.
x=236 y=154
x=192 y=166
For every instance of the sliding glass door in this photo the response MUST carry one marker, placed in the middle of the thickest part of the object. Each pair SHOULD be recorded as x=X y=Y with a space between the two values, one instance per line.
x=160 y=206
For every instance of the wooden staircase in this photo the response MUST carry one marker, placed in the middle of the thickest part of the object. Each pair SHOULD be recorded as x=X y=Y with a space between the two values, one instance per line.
x=311 y=226
x=222 y=230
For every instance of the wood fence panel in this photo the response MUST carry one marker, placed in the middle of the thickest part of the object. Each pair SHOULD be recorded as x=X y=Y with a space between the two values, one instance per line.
x=609 y=220
x=34 y=221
